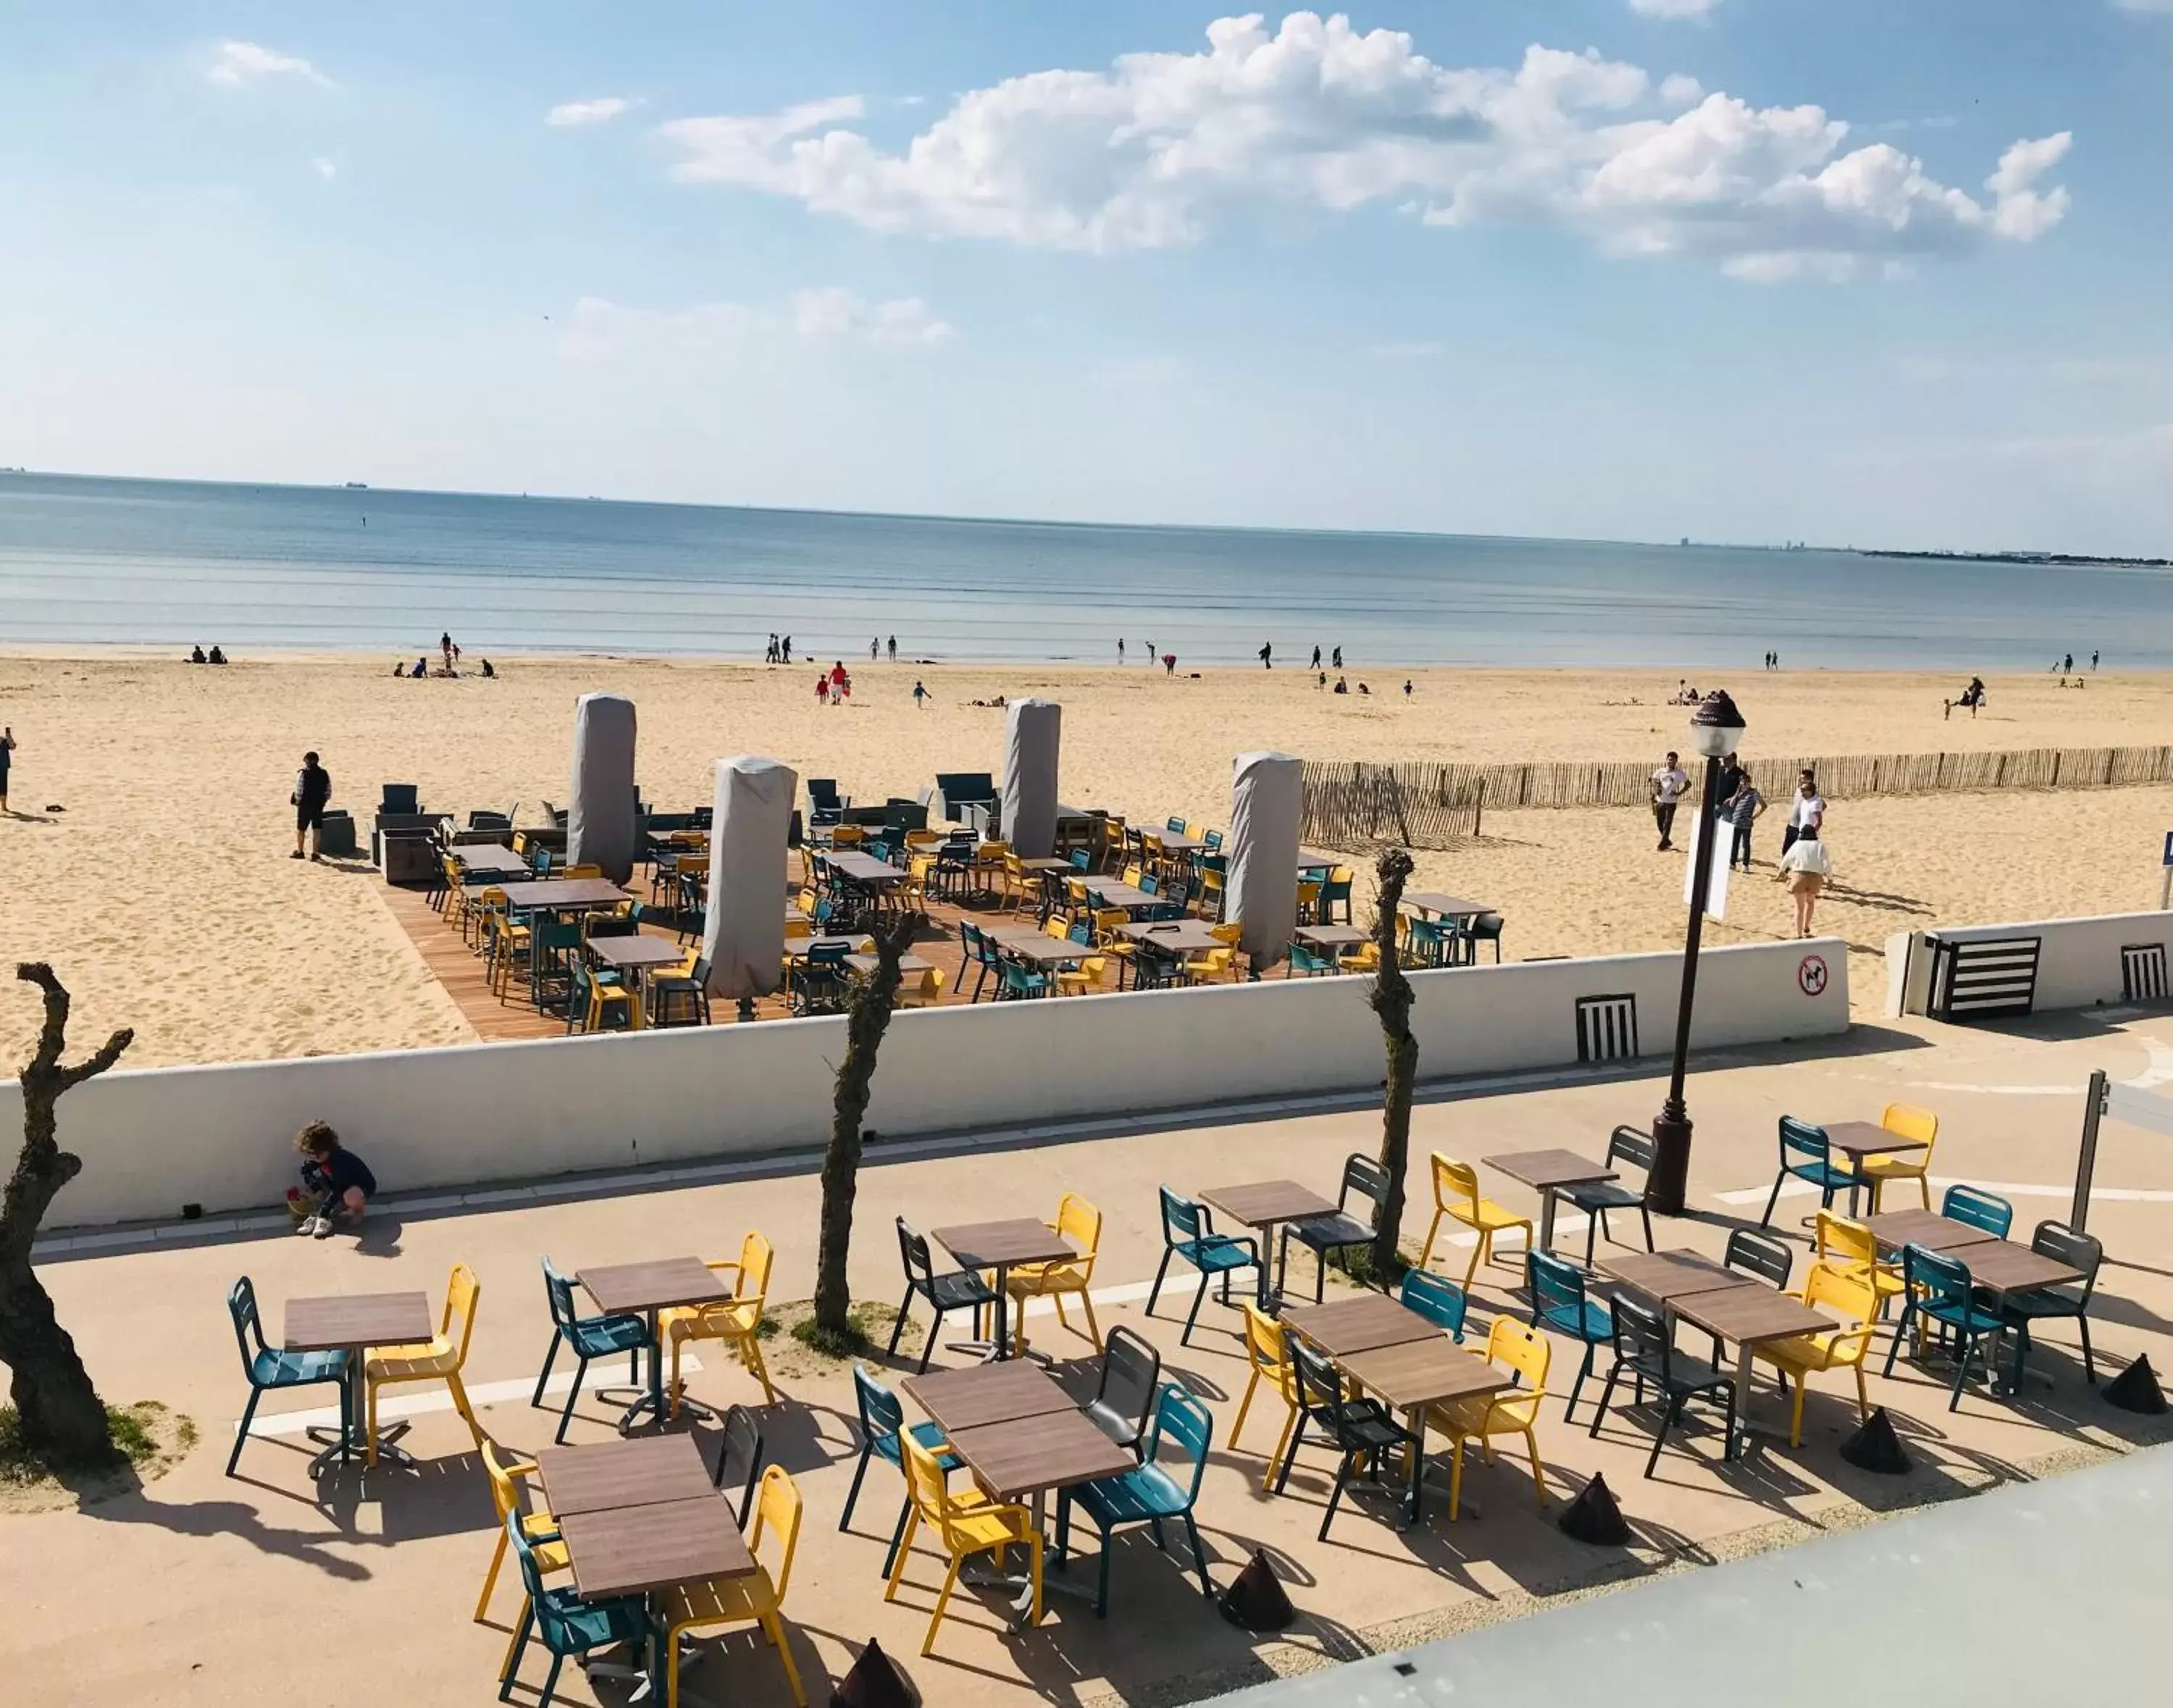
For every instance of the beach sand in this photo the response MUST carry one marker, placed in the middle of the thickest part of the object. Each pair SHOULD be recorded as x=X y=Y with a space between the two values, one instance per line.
x=163 y=894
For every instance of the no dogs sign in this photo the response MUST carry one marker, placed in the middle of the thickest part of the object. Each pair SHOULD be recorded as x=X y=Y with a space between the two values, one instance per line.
x=1811 y=974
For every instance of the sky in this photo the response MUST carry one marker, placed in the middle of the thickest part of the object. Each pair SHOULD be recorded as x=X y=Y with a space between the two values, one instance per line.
x=1854 y=271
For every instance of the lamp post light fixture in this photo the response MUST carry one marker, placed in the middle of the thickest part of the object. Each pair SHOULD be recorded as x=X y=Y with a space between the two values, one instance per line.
x=1716 y=730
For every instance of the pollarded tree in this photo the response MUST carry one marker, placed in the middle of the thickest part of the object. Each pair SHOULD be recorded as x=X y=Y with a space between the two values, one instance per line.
x=1390 y=997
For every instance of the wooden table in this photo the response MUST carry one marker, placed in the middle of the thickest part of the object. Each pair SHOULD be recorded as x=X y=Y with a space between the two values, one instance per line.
x=1664 y=1277
x=1128 y=896
x=645 y=1471
x=1548 y=1172
x=353 y=1323
x=489 y=860
x=634 y=1550
x=1263 y=1204
x=1029 y=1456
x=1172 y=936
x=1331 y=938
x=564 y=895
x=988 y=1393
x=1413 y=1374
x=866 y=869
x=1037 y=947
x=1896 y=1228
x=1178 y=842
x=2003 y=1267
x=648 y=1287
x=1371 y=1321
x=636 y=954
x=1000 y=1246
x=1857 y=1140
x=1749 y=1316
x=871 y=964
x=1425 y=902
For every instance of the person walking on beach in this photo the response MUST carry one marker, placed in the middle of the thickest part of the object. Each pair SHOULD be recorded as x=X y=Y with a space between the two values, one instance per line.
x=786 y=657
x=821 y=687
x=7 y=751
x=2093 y=660
x=1669 y=783
x=920 y=695
x=1336 y=662
x=1806 y=866
x=893 y=649
x=445 y=649
x=875 y=651
x=1741 y=810
x=1315 y=664
x=1268 y=654
x=1120 y=649
x=1806 y=812
x=313 y=792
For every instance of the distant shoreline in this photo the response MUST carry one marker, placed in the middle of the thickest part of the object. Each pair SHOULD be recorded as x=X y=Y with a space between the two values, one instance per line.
x=2077 y=560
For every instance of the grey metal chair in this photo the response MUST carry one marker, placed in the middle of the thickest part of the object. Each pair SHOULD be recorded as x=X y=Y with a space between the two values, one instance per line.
x=1625 y=1145
x=1124 y=1400
x=1326 y=1236
x=1644 y=1348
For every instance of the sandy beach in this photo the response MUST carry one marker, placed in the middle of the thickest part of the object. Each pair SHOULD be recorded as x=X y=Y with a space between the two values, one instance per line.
x=162 y=891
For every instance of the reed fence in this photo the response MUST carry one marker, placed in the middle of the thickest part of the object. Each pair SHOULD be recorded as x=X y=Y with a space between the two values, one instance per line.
x=1429 y=804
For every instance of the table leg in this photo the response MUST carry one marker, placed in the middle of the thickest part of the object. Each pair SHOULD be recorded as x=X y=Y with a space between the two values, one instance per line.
x=1547 y=1221
x=340 y=1444
x=996 y=1351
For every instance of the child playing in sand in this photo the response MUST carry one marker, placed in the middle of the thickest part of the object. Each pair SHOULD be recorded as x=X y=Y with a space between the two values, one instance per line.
x=339 y=1180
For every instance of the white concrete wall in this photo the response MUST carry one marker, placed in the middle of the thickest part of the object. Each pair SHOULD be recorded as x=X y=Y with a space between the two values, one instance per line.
x=2078 y=960
x=218 y=1136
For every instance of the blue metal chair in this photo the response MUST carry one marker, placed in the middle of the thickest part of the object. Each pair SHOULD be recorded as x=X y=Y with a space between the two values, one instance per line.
x=1310 y=963
x=266 y=1367
x=1145 y=1495
x=1978 y=1210
x=1937 y=1287
x=1806 y=1154
x=567 y=1624
x=1188 y=1233
x=590 y=1337
x=882 y=1418
x=2018 y=1311
x=1021 y=982
x=1559 y=1303
x=1437 y=1299
x=1427 y=943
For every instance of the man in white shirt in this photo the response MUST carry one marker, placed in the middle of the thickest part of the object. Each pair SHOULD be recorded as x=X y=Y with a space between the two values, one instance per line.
x=1805 y=812
x=1669 y=783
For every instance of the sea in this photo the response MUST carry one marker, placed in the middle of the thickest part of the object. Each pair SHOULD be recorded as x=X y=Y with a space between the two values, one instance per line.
x=356 y=569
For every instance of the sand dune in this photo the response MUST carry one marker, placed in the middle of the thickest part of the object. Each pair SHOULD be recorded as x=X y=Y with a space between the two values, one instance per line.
x=163 y=892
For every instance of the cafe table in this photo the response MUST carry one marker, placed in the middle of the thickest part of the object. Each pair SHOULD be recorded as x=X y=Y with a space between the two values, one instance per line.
x=1022 y=1459
x=871 y=963
x=1002 y=1246
x=987 y=1393
x=1128 y=896
x=1749 y=1316
x=1411 y=1376
x=1344 y=1327
x=1857 y=1140
x=353 y=1323
x=866 y=870
x=1265 y=1206
x=1547 y=1171
x=1440 y=907
x=562 y=895
x=646 y=1288
x=637 y=1471
x=1664 y=1277
x=1172 y=936
x=1896 y=1228
x=2002 y=1267
x=1333 y=939
x=633 y=957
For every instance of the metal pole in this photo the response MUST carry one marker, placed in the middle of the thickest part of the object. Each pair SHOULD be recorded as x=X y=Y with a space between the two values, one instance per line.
x=1665 y=1185
x=2086 y=1163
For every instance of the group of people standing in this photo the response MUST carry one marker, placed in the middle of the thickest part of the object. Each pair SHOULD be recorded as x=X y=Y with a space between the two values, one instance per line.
x=1804 y=865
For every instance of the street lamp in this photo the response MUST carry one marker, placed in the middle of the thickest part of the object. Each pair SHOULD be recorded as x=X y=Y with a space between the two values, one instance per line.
x=1715 y=729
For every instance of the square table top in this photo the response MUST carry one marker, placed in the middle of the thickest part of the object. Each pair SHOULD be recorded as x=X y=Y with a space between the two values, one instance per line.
x=866 y=869
x=641 y=950
x=1447 y=906
x=1664 y=1276
x=341 y=1323
x=1116 y=895
x=1178 y=936
x=638 y=1548
x=1332 y=936
x=1263 y=1203
x=488 y=857
x=798 y=948
x=1311 y=859
x=2004 y=1267
x=1868 y=1139
x=1749 y=1315
x=997 y=1245
x=869 y=963
x=1924 y=1227
x=645 y=1471
x=1048 y=867
x=1547 y=1169
x=1037 y=946
x=1027 y=1455
x=1346 y=1325
x=982 y=1394
x=652 y=1285
x=1177 y=841
x=1423 y=1372
x=549 y=893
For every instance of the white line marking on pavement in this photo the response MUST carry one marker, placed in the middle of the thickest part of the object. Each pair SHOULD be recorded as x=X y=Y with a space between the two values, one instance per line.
x=439 y=1399
x=2005 y=1188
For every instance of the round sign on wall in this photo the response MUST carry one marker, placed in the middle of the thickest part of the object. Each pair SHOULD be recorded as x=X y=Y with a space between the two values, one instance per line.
x=1811 y=974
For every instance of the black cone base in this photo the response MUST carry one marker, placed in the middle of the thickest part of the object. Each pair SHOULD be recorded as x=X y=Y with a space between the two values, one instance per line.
x=1594 y=1517
x=1255 y=1598
x=873 y=1683
x=2136 y=1389
x=1875 y=1447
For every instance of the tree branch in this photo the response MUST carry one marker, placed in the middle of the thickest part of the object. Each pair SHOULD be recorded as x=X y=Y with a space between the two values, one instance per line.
x=45 y=1061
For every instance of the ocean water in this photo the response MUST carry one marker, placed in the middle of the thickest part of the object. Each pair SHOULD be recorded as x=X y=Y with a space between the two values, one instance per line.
x=267 y=567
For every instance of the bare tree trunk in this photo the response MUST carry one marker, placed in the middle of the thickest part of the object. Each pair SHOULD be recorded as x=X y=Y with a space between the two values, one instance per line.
x=867 y=1018
x=1390 y=997
x=63 y=1419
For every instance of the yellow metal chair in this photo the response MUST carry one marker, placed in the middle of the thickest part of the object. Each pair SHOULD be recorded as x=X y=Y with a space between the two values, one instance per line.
x=756 y=1600
x=586 y=871
x=967 y=1523
x=1269 y=1358
x=1309 y=902
x=1515 y=1346
x=926 y=993
x=1904 y=1120
x=539 y=1526
x=1092 y=974
x=1365 y=958
x=1456 y=1196
x=1848 y=1250
x=1832 y=1349
x=1133 y=874
x=505 y=939
x=1080 y=1223
x=847 y=836
x=736 y=1322
x=439 y=1360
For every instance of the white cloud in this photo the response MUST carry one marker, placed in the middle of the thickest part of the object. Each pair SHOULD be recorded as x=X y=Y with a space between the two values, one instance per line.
x=599 y=328
x=601 y=110
x=1155 y=150
x=1673 y=9
x=246 y=62
x=326 y=167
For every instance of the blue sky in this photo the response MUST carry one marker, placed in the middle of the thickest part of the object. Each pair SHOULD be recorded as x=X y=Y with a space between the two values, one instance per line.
x=1743 y=269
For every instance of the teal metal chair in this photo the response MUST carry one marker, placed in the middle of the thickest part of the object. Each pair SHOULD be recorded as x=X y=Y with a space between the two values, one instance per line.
x=1147 y=1495
x=590 y=1338
x=882 y=1419
x=1965 y=1205
x=1437 y=1299
x=1188 y=1233
x=1936 y=1287
x=567 y=1624
x=1559 y=1302
x=1020 y=982
x=1806 y=1154
x=1310 y=963
x=267 y=1367
x=1335 y=892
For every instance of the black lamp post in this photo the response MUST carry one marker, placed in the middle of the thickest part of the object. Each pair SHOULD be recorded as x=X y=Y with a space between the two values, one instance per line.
x=1715 y=729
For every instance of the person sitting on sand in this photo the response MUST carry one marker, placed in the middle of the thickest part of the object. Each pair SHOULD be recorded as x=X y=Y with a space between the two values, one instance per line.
x=196 y=653
x=487 y=670
x=1342 y=687
x=338 y=1181
x=422 y=667
x=216 y=656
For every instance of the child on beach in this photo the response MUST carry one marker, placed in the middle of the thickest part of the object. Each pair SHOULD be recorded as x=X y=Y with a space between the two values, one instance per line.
x=336 y=1184
x=920 y=695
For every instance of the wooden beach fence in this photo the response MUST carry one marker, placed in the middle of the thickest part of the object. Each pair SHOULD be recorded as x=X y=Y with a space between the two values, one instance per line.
x=1432 y=804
